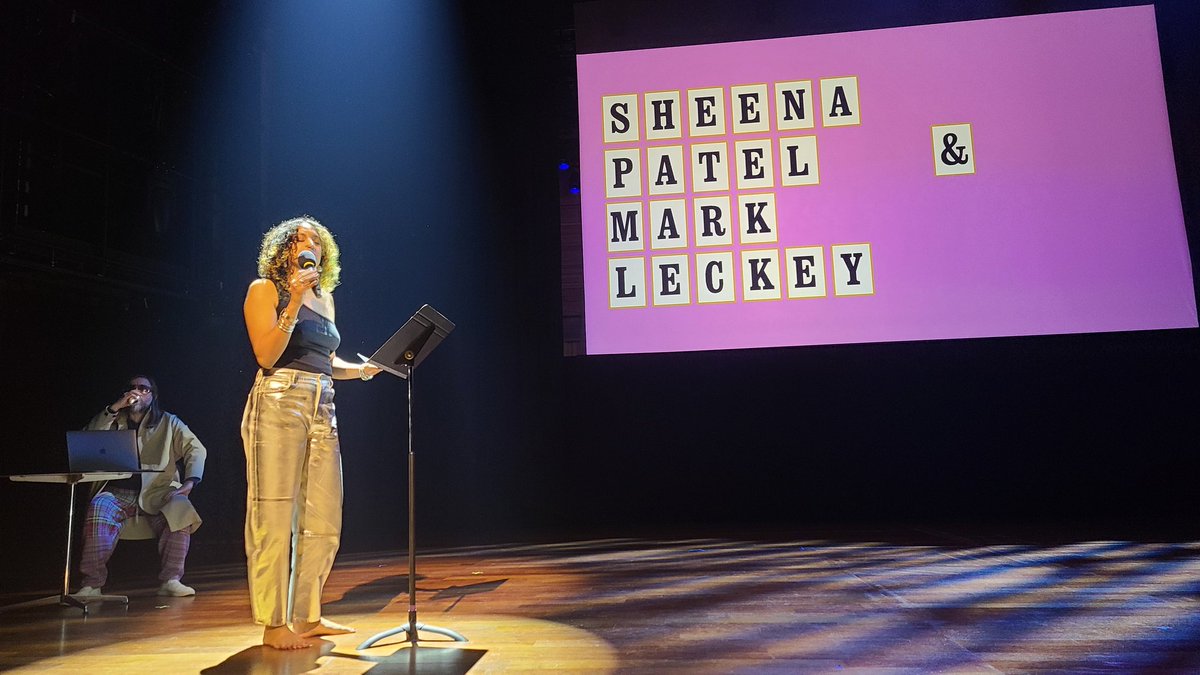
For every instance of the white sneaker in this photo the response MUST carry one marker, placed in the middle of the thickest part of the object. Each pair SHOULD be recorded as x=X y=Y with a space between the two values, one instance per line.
x=87 y=592
x=175 y=589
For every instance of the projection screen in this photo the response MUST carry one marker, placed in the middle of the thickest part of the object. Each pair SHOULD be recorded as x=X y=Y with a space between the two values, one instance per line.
x=988 y=178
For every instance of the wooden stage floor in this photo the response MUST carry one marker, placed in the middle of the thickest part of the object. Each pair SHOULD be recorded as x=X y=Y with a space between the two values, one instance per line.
x=924 y=601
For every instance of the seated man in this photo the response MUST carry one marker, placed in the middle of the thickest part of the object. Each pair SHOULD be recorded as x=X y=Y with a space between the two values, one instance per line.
x=157 y=497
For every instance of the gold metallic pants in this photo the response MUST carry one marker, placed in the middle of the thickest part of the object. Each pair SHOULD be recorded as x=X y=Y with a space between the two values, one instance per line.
x=293 y=493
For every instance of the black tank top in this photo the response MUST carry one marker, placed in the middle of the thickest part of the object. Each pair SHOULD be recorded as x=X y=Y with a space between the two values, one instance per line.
x=313 y=341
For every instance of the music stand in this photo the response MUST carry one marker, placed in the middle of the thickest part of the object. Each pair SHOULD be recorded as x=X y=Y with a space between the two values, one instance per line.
x=400 y=356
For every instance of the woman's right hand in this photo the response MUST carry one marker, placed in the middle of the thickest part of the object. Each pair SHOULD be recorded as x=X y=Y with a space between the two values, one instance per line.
x=302 y=280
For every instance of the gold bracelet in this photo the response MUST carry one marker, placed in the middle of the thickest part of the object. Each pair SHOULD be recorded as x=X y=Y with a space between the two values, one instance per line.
x=286 y=324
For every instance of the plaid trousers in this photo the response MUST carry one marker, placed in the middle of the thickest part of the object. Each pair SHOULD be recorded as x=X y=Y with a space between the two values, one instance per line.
x=106 y=514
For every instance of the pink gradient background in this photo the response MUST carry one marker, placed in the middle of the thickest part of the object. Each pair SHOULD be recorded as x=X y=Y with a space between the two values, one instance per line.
x=1072 y=222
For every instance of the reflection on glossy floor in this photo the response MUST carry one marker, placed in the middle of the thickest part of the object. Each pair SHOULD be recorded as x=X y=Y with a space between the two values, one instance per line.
x=909 y=603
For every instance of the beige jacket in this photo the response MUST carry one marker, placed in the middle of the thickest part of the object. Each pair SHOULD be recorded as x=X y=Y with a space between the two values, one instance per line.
x=160 y=448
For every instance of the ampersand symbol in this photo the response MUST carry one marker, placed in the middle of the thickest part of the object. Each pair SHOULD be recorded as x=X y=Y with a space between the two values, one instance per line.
x=950 y=154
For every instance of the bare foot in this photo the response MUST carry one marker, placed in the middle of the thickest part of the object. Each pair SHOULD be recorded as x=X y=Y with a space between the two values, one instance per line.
x=282 y=637
x=322 y=627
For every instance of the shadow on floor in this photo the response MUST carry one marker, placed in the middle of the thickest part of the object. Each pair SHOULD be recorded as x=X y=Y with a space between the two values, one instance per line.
x=413 y=660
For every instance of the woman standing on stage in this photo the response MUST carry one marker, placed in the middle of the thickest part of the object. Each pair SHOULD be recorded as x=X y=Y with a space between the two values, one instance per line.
x=293 y=462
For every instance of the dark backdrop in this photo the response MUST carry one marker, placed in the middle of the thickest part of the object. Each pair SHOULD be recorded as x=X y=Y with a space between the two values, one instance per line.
x=145 y=148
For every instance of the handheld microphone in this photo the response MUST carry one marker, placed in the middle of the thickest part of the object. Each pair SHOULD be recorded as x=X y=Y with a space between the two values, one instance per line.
x=308 y=260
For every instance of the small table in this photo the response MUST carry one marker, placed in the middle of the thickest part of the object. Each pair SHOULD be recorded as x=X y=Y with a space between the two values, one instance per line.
x=72 y=479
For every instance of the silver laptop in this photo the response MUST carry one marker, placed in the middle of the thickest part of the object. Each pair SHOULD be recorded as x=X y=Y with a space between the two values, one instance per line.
x=103 y=451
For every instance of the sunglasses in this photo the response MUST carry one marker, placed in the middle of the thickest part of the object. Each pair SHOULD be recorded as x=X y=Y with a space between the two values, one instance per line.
x=140 y=388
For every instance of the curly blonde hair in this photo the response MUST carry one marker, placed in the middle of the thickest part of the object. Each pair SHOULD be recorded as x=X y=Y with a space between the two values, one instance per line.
x=274 y=258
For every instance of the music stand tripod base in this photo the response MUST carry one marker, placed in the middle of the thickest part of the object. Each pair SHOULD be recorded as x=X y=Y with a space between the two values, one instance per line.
x=411 y=631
